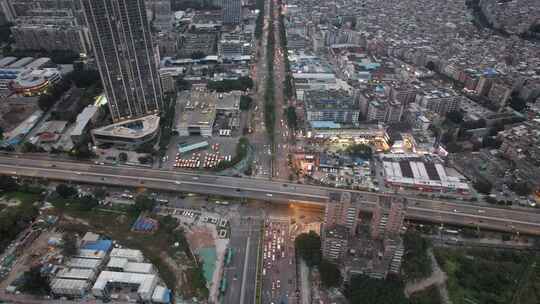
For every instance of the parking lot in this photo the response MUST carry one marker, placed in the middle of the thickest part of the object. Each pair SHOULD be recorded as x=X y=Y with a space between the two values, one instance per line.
x=279 y=265
x=206 y=158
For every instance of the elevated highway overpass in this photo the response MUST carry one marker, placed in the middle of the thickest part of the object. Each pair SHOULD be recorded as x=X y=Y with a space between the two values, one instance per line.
x=436 y=211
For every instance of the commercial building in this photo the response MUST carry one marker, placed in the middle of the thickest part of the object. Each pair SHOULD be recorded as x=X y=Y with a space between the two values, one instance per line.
x=132 y=255
x=192 y=43
x=198 y=113
x=129 y=133
x=161 y=295
x=143 y=284
x=388 y=216
x=440 y=101
x=422 y=174
x=228 y=107
x=14 y=137
x=93 y=264
x=83 y=122
x=335 y=106
x=49 y=132
x=77 y=274
x=168 y=80
x=334 y=242
x=233 y=46
x=521 y=144
x=124 y=52
x=69 y=287
x=499 y=93
x=162 y=14
x=232 y=12
x=6 y=12
x=28 y=67
x=33 y=82
x=49 y=36
x=91 y=254
x=376 y=111
x=124 y=265
x=48 y=25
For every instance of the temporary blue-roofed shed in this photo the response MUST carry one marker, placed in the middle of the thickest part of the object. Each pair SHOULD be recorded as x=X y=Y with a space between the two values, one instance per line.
x=101 y=245
x=325 y=124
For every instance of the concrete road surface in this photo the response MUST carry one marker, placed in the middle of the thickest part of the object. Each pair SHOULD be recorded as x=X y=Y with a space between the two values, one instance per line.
x=430 y=210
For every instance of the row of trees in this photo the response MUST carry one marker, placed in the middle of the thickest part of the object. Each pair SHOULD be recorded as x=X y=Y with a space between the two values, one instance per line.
x=359 y=150
x=15 y=219
x=308 y=246
x=259 y=23
x=242 y=150
x=245 y=102
x=416 y=262
x=483 y=275
x=269 y=94
x=292 y=119
x=57 y=56
x=227 y=85
x=81 y=79
x=287 y=83
x=363 y=289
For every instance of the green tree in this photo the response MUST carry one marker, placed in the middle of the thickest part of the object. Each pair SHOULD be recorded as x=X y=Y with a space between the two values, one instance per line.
x=5 y=33
x=483 y=186
x=245 y=102
x=521 y=188
x=490 y=142
x=455 y=117
x=122 y=156
x=100 y=193
x=416 y=262
x=517 y=103
x=13 y=220
x=182 y=84
x=87 y=203
x=330 y=274
x=359 y=150
x=198 y=55
x=69 y=244
x=29 y=147
x=227 y=85
x=35 y=282
x=85 y=78
x=8 y=184
x=292 y=119
x=143 y=203
x=66 y=191
x=145 y=159
x=309 y=247
x=363 y=289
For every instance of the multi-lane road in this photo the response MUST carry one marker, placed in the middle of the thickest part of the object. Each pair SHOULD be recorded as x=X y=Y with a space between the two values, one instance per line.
x=524 y=221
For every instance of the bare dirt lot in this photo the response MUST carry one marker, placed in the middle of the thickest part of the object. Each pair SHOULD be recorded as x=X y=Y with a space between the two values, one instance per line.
x=15 y=111
x=199 y=237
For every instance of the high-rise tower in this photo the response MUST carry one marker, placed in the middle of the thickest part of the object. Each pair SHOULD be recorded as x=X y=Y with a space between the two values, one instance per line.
x=121 y=40
x=388 y=216
x=232 y=12
x=341 y=209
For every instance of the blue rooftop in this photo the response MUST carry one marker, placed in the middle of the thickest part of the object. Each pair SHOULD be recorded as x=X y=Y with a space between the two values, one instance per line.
x=101 y=245
x=324 y=124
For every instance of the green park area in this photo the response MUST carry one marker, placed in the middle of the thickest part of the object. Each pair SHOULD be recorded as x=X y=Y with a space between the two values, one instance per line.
x=489 y=276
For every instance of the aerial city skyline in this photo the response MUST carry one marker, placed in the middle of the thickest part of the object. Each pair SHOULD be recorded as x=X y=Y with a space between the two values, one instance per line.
x=269 y=151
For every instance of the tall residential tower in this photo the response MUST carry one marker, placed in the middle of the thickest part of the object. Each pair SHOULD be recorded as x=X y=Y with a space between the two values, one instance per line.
x=121 y=40
x=232 y=12
x=388 y=216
